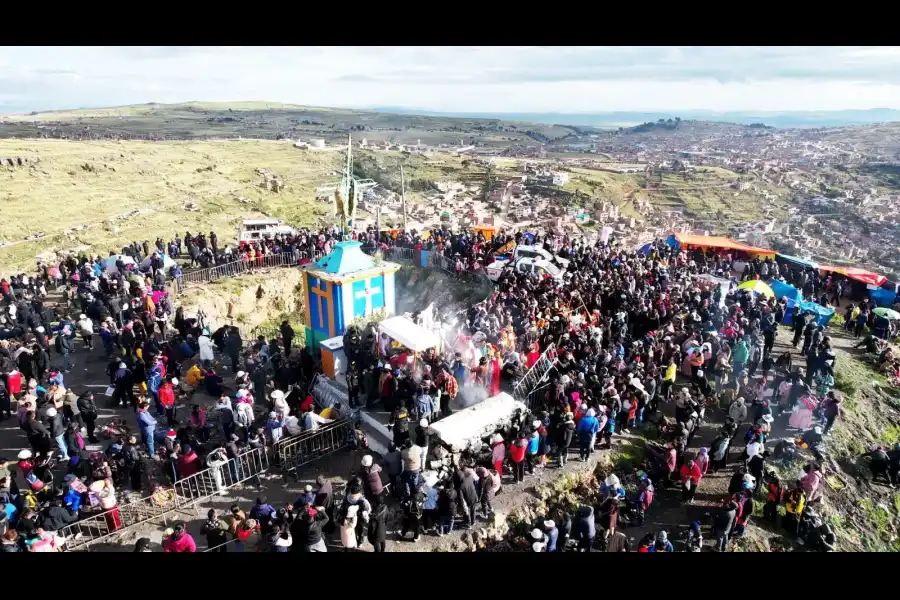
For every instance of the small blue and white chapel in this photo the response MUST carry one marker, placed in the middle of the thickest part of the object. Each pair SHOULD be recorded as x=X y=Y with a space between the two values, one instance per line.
x=344 y=285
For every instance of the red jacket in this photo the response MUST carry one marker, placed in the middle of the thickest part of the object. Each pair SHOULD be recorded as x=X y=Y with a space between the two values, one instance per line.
x=517 y=451
x=167 y=395
x=692 y=473
x=14 y=383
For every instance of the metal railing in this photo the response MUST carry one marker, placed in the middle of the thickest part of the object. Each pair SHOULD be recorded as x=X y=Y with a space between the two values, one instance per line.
x=296 y=451
x=525 y=388
x=185 y=493
x=241 y=267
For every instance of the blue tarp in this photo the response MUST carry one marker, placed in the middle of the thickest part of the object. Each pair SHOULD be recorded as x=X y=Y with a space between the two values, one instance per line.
x=782 y=289
x=882 y=297
x=798 y=261
x=823 y=315
x=529 y=237
x=673 y=243
x=645 y=249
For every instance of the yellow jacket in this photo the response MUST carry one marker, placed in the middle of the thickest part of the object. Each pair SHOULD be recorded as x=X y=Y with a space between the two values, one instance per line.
x=193 y=376
x=671 y=371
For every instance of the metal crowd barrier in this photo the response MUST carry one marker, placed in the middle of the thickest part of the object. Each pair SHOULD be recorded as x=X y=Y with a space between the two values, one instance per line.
x=185 y=493
x=296 y=451
x=534 y=377
x=241 y=267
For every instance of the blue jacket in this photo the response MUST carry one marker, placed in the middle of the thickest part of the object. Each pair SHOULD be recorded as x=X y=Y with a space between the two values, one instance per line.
x=146 y=421
x=154 y=380
x=587 y=427
x=425 y=404
x=533 y=444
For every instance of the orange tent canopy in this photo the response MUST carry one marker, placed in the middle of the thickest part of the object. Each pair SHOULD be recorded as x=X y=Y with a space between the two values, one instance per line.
x=715 y=241
x=487 y=231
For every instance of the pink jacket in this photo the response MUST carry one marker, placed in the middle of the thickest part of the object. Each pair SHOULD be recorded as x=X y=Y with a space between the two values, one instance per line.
x=183 y=544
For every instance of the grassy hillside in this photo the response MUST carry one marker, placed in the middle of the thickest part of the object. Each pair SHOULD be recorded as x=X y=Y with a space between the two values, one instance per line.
x=272 y=120
x=74 y=193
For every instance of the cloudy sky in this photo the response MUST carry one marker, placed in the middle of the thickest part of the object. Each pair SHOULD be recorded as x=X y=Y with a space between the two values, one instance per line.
x=458 y=79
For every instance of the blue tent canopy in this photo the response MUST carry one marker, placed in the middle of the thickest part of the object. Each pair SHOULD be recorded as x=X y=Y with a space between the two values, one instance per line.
x=645 y=249
x=822 y=314
x=796 y=260
x=782 y=289
x=529 y=237
x=673 y=242
x=882 y=297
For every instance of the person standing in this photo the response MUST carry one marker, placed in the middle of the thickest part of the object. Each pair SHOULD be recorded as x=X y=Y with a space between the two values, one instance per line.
x=65 y=347
x=378 y=528
x=57 y=431
x=724 y=523
x=564 y=433
x=167 y=400
x=86 y=327
x=287 y=334
x=215 y=530
x=147 y=425
x=180 y=541
x=132 y=458
x=587 y=431
x=517 y=457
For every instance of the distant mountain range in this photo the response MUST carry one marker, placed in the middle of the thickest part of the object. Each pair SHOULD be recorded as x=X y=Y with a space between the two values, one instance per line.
x=785 y=119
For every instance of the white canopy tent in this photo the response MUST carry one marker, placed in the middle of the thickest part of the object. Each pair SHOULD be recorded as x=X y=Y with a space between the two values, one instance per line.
x=466 y=427
x=109 y=263
x=413 y=336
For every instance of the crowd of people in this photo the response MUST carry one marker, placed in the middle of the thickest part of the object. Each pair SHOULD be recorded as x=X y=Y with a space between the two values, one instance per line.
x=622 y=325
x=618 y=327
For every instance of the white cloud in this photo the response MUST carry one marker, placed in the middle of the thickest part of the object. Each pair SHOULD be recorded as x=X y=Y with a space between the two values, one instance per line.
x=463 y=79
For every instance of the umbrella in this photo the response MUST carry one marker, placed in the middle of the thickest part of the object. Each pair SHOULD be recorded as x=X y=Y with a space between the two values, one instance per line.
x=758 y=286
x=887 y=313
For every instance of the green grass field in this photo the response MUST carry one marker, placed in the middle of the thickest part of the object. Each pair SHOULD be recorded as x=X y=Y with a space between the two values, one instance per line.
x=73 y=184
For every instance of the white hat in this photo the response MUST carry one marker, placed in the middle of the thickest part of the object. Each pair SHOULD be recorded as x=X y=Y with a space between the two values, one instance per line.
x=768 y=418
x=496 y=438
x=121 y=365
x=40 y=329
x=537 y=534
x=277 y=395
x=240 y=374
x=423 y=422
x=537 y=547
x=308 y=488
x=536 y=423
x=549 y=524
x=174 y=381
x=25 y=454
x=51 y=412
x=591 y=412
x=367 y=460
x=82 y=316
